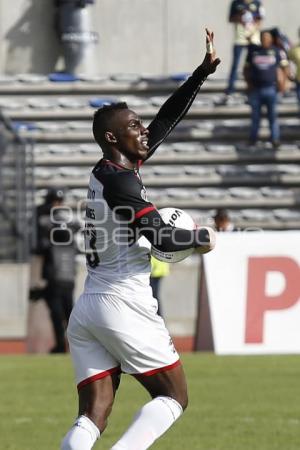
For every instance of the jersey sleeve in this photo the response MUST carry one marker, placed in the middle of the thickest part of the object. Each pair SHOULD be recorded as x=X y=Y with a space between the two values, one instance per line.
x=174 y=109
x=126 y=196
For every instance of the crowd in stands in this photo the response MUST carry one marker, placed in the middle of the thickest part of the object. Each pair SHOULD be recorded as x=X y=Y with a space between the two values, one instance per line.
x=272 y=62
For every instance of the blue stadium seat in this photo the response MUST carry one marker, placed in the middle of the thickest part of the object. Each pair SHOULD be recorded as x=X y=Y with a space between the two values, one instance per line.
x=28 y=126
x=99 y=102
x=61 y=77
x=181 y=76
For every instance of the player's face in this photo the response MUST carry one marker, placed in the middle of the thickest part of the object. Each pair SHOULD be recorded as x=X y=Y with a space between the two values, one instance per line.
x=131 y=135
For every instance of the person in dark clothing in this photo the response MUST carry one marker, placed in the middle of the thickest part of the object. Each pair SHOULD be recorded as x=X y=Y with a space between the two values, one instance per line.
x=263 y=74
x=57 y=247
x=222 y=220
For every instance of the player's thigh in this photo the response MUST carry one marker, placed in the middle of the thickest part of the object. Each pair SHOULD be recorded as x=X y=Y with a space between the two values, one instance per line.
x=170 y=383
x=91 y=359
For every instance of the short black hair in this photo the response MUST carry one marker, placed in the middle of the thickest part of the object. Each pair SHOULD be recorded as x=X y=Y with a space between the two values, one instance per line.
x=102 y=119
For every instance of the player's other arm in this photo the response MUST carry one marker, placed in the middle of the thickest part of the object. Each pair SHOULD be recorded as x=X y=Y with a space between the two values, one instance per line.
x=169 y=239
x=175 y=108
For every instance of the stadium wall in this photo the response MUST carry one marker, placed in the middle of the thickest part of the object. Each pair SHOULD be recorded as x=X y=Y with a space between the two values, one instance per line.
x=136 y=36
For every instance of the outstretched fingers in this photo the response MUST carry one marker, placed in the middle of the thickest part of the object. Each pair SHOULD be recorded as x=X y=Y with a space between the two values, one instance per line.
x=210 y=62
x=209 y=42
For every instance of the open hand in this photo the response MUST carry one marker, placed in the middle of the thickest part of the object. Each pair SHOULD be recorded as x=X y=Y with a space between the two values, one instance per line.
x=210 y=61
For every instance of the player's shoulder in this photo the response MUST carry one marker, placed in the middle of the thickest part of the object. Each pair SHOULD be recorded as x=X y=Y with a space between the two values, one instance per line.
x=116 y=179
x=108 y=172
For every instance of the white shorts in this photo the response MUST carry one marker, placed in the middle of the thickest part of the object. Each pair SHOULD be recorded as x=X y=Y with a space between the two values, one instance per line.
x=110 y=334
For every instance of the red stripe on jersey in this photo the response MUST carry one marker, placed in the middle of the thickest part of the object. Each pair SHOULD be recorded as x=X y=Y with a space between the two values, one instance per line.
x=161 y=369
x=98 y=376
x=144 y=211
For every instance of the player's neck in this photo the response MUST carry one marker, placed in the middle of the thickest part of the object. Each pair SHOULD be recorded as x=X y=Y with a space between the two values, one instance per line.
x=120 y=160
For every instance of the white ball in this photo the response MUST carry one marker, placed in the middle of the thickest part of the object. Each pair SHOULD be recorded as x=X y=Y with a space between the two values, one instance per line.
x=179 y=219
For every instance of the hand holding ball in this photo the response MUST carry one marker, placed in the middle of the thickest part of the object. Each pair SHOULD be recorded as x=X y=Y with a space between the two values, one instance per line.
x=180 y=219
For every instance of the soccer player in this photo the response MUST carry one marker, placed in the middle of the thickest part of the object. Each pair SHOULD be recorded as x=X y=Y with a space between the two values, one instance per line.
x=114 y=326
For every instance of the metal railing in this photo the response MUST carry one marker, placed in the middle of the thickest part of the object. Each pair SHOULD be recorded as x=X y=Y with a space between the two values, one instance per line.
x=16 y=194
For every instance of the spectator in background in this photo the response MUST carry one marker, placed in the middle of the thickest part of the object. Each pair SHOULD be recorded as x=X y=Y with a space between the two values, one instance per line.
x=159 y=270
x=56 y=246
x=264 y=74
x=294 y=56
x=282 y=42
x=246 y=16
x=222 y=221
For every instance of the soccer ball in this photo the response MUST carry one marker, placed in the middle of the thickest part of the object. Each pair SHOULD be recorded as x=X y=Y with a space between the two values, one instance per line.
x=179 y=219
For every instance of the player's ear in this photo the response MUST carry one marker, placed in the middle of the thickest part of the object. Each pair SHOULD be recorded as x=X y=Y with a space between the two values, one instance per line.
x=110 y=137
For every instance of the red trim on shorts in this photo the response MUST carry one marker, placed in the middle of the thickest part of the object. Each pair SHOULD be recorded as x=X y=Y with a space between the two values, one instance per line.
x=98 y=376
x=144 y=211
x=161 y=369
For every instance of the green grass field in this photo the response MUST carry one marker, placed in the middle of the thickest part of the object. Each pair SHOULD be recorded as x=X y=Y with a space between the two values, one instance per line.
x=236 y=403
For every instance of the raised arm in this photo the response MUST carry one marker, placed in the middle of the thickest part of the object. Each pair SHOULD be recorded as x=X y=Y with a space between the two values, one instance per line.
x=175 y=108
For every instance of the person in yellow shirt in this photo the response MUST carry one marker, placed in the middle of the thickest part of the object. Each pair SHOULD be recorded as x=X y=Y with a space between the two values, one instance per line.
x=246 y=17
x=159 y=270
x=294 y=56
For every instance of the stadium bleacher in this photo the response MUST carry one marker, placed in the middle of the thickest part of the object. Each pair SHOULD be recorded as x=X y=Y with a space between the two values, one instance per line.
x=205 y=164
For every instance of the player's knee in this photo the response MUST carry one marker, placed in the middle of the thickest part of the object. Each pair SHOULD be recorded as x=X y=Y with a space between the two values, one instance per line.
x=184 y=401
